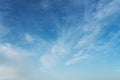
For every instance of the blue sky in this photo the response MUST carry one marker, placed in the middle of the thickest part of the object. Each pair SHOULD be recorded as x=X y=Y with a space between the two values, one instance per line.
x=59 y=39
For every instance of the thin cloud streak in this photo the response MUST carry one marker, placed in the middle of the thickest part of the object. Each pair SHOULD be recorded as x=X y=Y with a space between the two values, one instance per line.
x=71 y=43
x=75 y=59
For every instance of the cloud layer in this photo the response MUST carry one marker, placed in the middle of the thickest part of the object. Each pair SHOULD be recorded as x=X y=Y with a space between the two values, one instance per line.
x=46 y=36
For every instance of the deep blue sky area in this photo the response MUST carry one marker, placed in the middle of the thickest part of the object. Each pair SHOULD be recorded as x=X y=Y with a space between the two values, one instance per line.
x=59 y=39
x=29 y=16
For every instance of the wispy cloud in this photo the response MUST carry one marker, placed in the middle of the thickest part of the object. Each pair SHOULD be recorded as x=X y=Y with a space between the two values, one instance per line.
x=76 y=58
x=53 y=55
x=14 y=53
x=45 y=4
x=77 y=39
x=29 y=38
x=16 y=61
x=107 y=10
x=8 y=73
x=81 y=38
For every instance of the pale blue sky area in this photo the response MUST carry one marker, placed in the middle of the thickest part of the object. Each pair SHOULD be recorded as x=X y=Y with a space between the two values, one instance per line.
x=59 y=39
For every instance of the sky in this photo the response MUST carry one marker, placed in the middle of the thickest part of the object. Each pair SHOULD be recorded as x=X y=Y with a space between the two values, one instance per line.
x=59 y=39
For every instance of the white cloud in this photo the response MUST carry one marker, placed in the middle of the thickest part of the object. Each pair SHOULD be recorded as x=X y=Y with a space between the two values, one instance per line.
x=45 y=5
x=81 y=37
x=8 y=51
x=48 y=60
x=12 y=52
x=29 y=38
x=16 y=63
x=107 y=10
x=8 y=73
x=76 y=59
x=54 y=54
